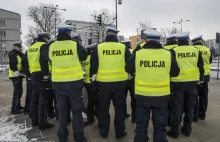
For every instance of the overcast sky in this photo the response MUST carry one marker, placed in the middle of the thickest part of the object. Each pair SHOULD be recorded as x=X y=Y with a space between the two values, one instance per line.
x=204 y=14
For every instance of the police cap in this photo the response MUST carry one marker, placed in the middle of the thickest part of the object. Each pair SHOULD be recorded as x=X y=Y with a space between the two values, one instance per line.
x=197 y=38
x=152 y=34
x=64 y=28
x=17 y=44
x=183 y=36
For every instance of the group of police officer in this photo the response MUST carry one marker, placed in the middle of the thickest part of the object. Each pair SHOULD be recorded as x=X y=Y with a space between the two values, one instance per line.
x=161 y=80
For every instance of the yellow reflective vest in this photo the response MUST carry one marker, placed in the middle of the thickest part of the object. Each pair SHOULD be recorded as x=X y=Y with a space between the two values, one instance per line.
x=10 y=72
x=152 y=72
x=66 y=66
x=131 y=50
x=187 y=59
x=111 y=62
x=169 y=47
x=86 y=65
x=206 y=54
x=33 y=54
x=142 y=44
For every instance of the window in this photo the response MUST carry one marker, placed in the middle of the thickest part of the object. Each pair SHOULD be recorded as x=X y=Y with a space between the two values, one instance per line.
x=2 y=33
x=2 y=22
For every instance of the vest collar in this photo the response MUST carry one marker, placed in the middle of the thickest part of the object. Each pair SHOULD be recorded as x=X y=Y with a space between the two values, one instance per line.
x=198 y=43
x=153 y=44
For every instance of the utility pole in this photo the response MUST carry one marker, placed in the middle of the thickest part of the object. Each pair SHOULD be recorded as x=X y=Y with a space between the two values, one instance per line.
x=55 y=19
x=116 y=11
x=181 y=23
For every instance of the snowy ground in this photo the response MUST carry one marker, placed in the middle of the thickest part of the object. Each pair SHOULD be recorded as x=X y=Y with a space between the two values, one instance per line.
x=10 y=131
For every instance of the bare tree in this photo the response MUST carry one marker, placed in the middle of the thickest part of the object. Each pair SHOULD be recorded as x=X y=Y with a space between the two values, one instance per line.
x=43 y=18
x=169 y=31
x=143 y=25
x=108 y=19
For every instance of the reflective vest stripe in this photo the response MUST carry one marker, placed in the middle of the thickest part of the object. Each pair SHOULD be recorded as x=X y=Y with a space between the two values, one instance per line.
x=111 y=65
x=157 y=80
x=10 y=72
x=33 y=54
x=87 y=69
x=65 y=67
x=189 y=70
x=206 y=54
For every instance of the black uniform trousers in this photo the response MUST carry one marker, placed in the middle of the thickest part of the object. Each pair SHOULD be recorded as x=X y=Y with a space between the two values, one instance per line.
x=201 y=101
x=170 y=105
x=73 y=99
x=27 y=106
x=17 y=93
x=93 y=102
x=51 y=103
x=130 y=88
x=38 y=103
x=118 y=97
x=183 y=101
x=158 y=106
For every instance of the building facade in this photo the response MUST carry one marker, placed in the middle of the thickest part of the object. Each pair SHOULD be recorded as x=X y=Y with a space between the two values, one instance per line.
x=88 y=30
x=10 y=27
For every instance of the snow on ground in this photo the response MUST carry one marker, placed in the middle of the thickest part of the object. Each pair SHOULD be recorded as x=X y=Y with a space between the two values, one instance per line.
x=9 y=131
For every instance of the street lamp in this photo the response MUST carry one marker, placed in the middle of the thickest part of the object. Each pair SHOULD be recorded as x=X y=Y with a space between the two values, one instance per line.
x=116 y=9
x=181 y=22
x=54 y=10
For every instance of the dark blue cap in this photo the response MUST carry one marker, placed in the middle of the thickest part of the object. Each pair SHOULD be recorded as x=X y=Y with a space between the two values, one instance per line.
x=197 y=38
x=17 y=44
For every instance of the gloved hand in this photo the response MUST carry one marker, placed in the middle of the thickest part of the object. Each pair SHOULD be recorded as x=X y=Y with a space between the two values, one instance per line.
x=16 y=73
x=130 y=77
x=200 y=83
x=46 y=82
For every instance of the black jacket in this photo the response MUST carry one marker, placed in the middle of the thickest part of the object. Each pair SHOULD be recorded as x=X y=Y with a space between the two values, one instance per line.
x=94 y=62
x=82 y=54
x=137 y=48
x=206 y=77
x=191 y=84
x=12 y=56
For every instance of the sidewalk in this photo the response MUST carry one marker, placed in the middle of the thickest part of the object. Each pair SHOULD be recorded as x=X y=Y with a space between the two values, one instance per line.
x=203 y=131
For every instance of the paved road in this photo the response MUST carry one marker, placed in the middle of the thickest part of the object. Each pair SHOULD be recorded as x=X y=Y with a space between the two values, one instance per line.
x=204 y=131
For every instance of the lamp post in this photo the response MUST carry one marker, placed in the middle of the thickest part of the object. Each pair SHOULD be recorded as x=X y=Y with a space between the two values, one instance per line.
x=116 y=11
x=55 y=12
x=181 y=22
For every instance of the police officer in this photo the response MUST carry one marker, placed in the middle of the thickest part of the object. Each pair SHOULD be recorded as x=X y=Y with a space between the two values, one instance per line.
x=152 y=86
x=92 y=90
x=143 y=37
x=171 y=42
x=202 y=99
x=39 y=81
x=190 y=61
x=51 y=95
x=67 y=79
x=15 y=74
x=107 y=67
x=130 y=87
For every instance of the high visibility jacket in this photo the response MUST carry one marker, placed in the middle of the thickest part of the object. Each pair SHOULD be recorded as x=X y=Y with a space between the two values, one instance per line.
x=131 y=50
x=33 y=54
x=187 y=59
x=50 y=67
x=169 y=47
x=66 y=66
x=152 y=72
x=142 y=44
x=87 y=69
x=111 y=62
x=10 y=72
x=206 y=54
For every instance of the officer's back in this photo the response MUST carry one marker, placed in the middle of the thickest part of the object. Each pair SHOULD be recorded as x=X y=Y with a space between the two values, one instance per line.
x=171 y=42
x=107 y=66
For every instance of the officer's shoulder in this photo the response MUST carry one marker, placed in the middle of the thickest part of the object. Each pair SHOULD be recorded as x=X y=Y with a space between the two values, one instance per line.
x=11 y=53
